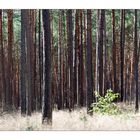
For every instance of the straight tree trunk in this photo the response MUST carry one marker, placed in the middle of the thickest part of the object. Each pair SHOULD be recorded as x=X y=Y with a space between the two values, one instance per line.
x=2 y=63
x=136 y=64
x=23 y=64
x=32 y=57
x=40 y=59
x=67 y=85
x=105 y=60
x=75 y=56
x=122 y=45
x=70 y=58
x=47 y=98
x=29 y=41
x=100 y=51
x=35 y=61
x=114 y=52
x=10 y=60
x=89 y=62
x=65 y=62
x=59 y=61
x=85 y=45
x=81 y=67
x=97 y=53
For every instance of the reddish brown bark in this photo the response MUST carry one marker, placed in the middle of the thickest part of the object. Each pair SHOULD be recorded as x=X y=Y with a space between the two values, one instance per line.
x=10 y=60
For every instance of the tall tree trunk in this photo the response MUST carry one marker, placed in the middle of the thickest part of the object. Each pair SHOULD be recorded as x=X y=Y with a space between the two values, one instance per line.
x=81 y=67
x=32 y=57
x=23 y=64
x=47 y=98
x=114 y=51
x=89 y=62
x=2 y=63
x=70 y=58
x=59 y=61
x=40 y=59
x=53 y=88
x=63 y=54
x=100 y=51
x=97 y=53
x=10 y=60
x=85 y=45
x=67 y=90
x=75 y=56
x=29 y=40
x=65 y=62
x=104 y=56
x=122 y=45
x=136 y=61
x=35 y=61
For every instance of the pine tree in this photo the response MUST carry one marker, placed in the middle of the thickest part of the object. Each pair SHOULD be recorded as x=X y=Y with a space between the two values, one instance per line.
x=23 y=64
x=100 y=50
x=70 y=57
x=29 y=43
x=114 y=50
x=75 y=89
x=60 y=61
x=81 y=67
x=122 y=44
x=47 y=98
x=10 y=60
x=2 y=61
x=40 y=54
x=136 y=61
x=89 y=62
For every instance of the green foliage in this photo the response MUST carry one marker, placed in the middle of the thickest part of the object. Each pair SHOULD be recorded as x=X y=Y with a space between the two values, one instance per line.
x=83 y=118
x=105 y=105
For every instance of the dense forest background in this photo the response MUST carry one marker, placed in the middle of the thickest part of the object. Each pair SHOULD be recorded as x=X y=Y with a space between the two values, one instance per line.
x=56 y=59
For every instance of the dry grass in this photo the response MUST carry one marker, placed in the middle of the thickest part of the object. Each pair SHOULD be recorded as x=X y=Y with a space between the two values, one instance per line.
x=77 y=120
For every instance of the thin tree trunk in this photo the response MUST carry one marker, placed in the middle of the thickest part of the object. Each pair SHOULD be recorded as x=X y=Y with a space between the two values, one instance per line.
x=136 y=53
x=10 y=60
x=59 y=61
x=75 y=56
x=114 y=52
x=23 y=65
x=97 y=53
x=81 y=82
x=105 y=60
x=100 y=51
x=2 y=63
x=40 y=59
x=122 y=45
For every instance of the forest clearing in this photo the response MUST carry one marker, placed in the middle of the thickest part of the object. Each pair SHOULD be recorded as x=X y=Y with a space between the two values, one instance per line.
x=69 y=69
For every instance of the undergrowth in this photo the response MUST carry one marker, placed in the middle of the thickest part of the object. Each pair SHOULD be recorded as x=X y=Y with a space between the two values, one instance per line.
x=106 y=105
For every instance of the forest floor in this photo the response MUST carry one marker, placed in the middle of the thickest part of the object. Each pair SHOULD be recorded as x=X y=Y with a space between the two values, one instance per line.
x=76 y=120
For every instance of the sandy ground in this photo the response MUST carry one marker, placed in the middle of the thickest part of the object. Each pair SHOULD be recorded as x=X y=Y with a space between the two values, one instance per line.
x=76 y=120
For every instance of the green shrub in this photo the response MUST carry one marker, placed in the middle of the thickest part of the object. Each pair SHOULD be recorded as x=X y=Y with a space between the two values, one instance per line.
x=105 y=105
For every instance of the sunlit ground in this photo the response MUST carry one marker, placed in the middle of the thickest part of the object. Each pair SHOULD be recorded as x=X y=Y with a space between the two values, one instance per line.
x=76 y=120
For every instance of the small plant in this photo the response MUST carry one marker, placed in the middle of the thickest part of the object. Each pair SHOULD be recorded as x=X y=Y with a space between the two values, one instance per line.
x=29 y=128
x=105 y=105
x=84 y=119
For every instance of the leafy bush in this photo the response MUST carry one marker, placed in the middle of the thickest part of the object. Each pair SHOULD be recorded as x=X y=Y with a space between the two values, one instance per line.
x=105 y=105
